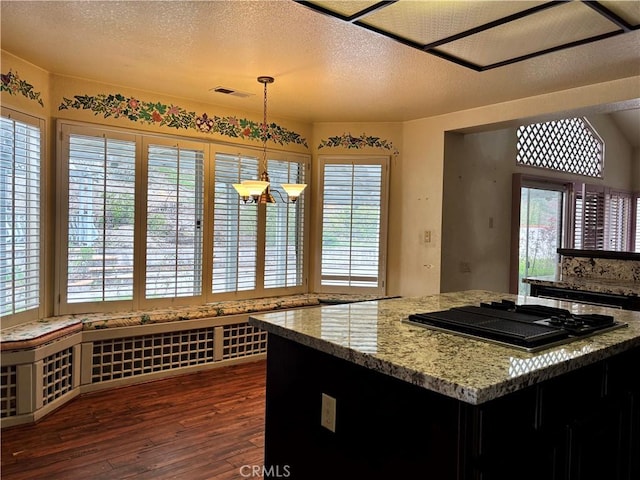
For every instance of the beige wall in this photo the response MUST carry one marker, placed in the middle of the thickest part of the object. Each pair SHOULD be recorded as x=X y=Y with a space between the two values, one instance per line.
x=420 y=205
x=636 y=169
x=477 y=196
x=417 y=173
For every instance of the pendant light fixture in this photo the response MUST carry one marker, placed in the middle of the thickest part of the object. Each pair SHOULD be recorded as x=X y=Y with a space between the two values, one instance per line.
x=259 y=191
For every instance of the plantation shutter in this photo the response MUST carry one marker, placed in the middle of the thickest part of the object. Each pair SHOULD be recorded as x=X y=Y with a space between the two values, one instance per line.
x=20 y=158
x=284 y=242
x=637 y=237
x=235 y=226
x=618 y=221
x=590 y=225
x=353 y=213
x=100 y=228
x=175 y=196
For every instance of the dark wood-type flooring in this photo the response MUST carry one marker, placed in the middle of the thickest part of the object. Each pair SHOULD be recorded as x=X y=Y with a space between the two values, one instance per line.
x=204 y=425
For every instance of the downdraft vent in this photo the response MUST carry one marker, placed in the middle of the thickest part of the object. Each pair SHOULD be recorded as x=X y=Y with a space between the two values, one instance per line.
x=231 y=91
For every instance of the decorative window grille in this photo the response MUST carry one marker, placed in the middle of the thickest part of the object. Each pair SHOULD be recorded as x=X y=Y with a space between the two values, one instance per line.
x=243 y=340
x=57 y=375
x=353 y=223
x=175 y=212
x=100 y=232
x=127 y=357
x=569 y=145
x=8 y=391
x=20 y=158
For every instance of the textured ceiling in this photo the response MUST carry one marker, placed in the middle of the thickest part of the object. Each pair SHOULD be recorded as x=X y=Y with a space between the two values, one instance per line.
x=325 y=69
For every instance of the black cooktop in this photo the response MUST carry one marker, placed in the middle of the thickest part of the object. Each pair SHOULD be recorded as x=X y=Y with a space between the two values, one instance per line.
x=528 y=327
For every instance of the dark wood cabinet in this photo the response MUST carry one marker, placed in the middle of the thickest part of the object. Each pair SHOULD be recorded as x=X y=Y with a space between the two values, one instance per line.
x=582 y=425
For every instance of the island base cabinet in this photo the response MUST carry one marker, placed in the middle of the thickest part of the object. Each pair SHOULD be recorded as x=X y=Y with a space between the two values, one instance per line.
x=385 y=428
x=582 y=425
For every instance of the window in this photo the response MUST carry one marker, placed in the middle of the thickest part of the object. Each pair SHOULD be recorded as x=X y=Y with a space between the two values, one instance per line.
x=175 y=214
x=151 y=220
x=244 y=259
x=618 y=221
x=570 y=145
x=602 y=219
x=589 y=221
x=284 y=241
x=354 y=203
x=637 y=223
x=21 y=150
x=542 y=212
x=100 y=174
x=235 y=226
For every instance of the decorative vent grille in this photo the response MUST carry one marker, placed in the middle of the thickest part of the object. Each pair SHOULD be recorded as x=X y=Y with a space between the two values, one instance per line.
x=242 y=340
x=568 y=145
x=57 y=375
x=126 y=357
x=8 y=391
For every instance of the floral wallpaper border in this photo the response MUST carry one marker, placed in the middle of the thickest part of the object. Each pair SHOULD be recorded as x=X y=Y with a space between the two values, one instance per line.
x=348 y=141
x=12 y=84
x=156 y=113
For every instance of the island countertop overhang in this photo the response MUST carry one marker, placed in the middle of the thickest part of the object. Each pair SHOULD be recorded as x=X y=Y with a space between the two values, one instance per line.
x=371 y=334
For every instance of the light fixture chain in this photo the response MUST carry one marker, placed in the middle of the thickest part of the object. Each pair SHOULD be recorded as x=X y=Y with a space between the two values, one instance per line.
x=264 y=131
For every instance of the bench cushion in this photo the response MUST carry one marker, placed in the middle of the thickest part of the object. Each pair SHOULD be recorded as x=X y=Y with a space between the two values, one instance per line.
x=39 y=332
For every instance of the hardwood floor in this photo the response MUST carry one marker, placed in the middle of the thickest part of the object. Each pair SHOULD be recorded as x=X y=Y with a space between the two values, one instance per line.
x=205 y=425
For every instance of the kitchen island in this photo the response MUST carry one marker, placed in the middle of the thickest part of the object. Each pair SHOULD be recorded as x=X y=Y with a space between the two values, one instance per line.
x=402 y=401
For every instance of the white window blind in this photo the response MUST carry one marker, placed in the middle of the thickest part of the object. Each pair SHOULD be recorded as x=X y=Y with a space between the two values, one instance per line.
x=20 y=158
x=235 y=226
x=618 y=221
x=637 y=237
x=284 y=242
x=578 y=221
x=353 y=206
x=175 y=196
x=100 y=233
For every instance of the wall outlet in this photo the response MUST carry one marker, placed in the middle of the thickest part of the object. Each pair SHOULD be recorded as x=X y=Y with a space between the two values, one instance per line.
x=427 y=236
x=328 y=412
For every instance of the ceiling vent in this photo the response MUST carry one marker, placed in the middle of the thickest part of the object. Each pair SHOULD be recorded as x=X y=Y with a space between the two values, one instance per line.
x=231 y=91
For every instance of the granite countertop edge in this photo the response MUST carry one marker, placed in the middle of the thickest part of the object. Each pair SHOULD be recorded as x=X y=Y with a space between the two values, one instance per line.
x=588 y=285
x=466 y=393
x=473 y=389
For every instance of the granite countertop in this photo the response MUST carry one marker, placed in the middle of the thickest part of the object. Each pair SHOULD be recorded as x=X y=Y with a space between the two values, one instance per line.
x=372 y=334
x=588 y=284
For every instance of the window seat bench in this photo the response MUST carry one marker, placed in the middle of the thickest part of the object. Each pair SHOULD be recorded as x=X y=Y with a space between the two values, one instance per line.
x=47 y=362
